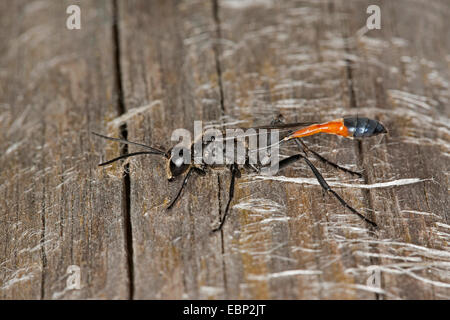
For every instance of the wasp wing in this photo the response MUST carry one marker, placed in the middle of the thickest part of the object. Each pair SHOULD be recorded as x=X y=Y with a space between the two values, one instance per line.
x=285 y=125
x=283 y=130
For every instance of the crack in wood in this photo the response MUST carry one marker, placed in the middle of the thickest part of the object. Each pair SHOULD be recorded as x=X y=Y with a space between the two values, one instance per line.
x=224 y=266
x=41 y=242
x=43 y=224
x=359 y=147
x=126 y=189
x=215 y=7
x=217 y=52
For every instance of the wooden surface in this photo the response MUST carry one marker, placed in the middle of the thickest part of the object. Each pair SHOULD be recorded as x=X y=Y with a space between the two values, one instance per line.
x=145 y=68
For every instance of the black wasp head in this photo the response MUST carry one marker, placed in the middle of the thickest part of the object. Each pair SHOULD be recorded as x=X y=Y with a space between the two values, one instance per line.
x=177 y=165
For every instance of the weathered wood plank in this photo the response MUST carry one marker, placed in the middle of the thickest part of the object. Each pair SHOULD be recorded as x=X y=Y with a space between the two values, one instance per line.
x=56 y=208
x=282 y=240
x=222 y=61
x=283 y=58
x=171 y=69
x=401 y=71
x=317 y=78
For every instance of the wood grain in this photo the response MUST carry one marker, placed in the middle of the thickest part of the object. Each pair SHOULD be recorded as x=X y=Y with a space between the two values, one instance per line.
x=287 y=62
x=57 y=209
x=173 y=72
x=385 y=80
x=144 y=68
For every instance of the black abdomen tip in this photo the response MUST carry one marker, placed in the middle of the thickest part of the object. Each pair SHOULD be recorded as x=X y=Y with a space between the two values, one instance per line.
x=363 y=127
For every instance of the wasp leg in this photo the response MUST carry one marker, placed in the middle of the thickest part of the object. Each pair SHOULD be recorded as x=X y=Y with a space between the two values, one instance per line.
x=305 y=149
x=200 y=171
x=234 y=174
x=250 y=166
x=185 y=181
x=285 y=162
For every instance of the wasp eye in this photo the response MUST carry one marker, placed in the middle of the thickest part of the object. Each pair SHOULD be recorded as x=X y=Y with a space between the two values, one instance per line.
x=177 y=167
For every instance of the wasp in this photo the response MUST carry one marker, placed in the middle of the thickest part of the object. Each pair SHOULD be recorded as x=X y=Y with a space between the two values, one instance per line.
x=349 y=127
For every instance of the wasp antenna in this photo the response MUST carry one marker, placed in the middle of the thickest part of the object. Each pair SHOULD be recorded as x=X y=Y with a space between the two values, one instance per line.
x=124 y=141
x=125 y=156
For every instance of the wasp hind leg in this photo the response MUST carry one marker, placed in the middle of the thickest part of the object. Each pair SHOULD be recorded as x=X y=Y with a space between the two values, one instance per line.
x=306 y=149
x=288 y=161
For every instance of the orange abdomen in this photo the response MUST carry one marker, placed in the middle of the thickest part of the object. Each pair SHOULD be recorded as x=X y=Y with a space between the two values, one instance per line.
x=332 y=127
